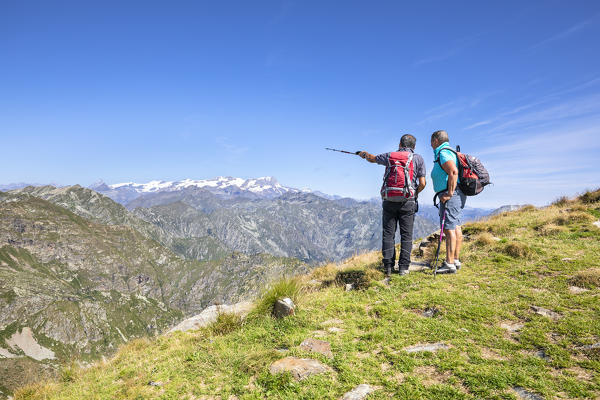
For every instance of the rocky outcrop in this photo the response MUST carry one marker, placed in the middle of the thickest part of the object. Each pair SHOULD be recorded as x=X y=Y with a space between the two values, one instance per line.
x=283 y=308
x=210 y=314
x=300 y=368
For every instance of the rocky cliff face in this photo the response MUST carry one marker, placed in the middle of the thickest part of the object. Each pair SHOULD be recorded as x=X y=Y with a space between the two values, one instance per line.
x=299 y=225
x=97 y=207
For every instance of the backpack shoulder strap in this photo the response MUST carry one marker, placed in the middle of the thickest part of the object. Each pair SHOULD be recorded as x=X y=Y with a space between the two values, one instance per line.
x=446 y=148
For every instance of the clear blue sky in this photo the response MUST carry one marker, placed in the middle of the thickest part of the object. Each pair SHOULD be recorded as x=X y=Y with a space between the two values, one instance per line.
x=143 y=90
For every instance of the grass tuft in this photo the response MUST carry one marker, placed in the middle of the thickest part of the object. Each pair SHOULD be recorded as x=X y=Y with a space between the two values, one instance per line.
x=589 y=278
x=484 y=239
x=288 y=287
x=68 y=373
x=526 y=209
x=357 y=277
x=226 y=323
x=550 y=229
x=562 y=201
x=574 y=217
x=517 y=250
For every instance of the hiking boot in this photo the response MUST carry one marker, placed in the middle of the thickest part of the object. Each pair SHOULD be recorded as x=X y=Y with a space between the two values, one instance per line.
x=403 y=272
x=457 y=264
x=446 y=268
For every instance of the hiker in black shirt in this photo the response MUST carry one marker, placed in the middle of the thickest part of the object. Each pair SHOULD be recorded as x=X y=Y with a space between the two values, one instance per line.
x=399 y=204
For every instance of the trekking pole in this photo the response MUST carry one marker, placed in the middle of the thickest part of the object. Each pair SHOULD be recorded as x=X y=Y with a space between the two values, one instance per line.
x=437 y=253
x=344 y=151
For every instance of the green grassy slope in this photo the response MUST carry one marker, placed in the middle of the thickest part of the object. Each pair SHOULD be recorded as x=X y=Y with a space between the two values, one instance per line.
x=497 y=342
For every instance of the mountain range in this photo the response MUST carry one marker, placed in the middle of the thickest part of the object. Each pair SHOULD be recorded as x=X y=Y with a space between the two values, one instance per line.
x=83 y=270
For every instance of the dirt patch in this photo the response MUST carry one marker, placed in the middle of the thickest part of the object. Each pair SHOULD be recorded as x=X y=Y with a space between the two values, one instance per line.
x=581 y=373
x=489 y=354
x=511 y=326
x=538 y=290
x=331 y=322
x=589 y=278
x=577 y=290
x=431 y=376
x=399 y=377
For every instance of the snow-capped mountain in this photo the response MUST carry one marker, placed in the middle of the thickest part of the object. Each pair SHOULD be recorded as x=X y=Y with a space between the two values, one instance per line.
x=265 y=187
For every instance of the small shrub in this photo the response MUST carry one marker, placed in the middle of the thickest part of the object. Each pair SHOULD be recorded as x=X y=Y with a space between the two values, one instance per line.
x=226 y=323
x=526 y=208
x=590 y=197
x=474 y=228
x=561 y=201
x=550 y=229
x=517 y=250
x=484 y=239
x=590 y=278
x=324 y=273
x=68 y=373
x=288 y=287
x=573 y=217
x=356 y=276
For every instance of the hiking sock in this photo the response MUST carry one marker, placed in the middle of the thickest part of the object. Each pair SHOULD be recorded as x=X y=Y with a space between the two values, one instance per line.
x=457 y=264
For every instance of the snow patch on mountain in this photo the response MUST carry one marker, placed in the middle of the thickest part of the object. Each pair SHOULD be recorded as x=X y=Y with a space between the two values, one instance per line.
x=254 y=185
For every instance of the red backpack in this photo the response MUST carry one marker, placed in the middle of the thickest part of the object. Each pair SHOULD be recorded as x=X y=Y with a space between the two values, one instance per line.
x=473 y=176
x=398 y=178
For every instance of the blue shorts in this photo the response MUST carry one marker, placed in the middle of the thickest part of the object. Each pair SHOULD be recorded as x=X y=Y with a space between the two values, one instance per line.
x=454 y=210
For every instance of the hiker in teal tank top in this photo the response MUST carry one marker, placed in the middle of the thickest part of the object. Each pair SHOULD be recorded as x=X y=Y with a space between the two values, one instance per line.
x=438 y=175
x=452 y=200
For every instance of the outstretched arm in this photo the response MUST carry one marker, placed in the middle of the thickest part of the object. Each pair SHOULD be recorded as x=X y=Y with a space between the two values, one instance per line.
x=369 y=157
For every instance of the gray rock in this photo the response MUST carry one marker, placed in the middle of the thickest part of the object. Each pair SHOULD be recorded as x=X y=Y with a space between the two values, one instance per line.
x=526 y=395
x=542 y=354
x=597 y=223
x=512 y=326
x=430 y=312
x=349 y=287
x=359 y=393
x=432 y=347
x=283 y=308
x=317 y=346
x=157 y=383
x=589 y=346
x=300 y=368
x=546 y=313
x=577 y=290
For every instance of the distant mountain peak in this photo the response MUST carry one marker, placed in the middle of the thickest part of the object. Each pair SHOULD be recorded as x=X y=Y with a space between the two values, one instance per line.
x=262 y=187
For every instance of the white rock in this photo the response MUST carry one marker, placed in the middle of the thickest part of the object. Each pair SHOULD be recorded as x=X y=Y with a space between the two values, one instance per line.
x=432 y=347
x=359 y=393
x=210 y=314
x=283 y=308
